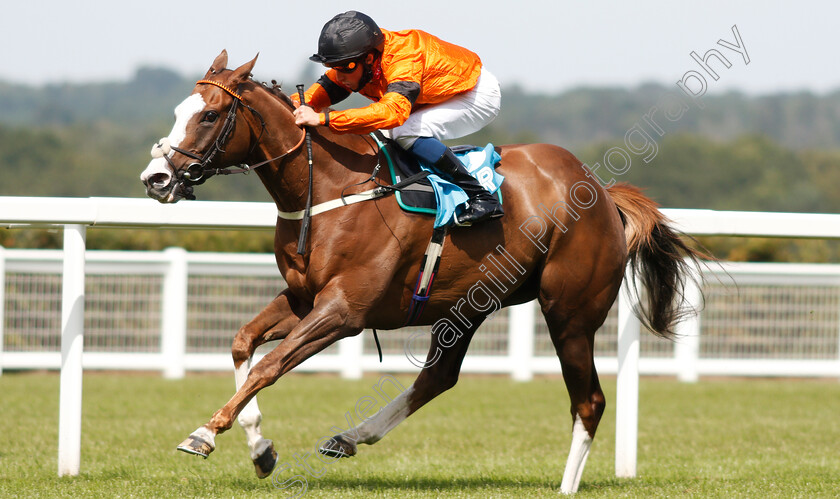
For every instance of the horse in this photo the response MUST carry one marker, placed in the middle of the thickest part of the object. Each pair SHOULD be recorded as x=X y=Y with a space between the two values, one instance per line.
x=565 y=240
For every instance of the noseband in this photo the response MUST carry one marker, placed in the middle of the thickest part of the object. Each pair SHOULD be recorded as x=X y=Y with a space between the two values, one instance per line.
x=198 y=172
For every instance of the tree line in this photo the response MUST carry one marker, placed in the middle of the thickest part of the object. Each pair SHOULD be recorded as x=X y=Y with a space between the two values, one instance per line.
x=739 y=152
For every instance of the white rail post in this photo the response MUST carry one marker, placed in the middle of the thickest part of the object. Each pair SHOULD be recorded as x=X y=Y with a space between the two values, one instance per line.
x=627 y=385
x=350 y=351
x=72 y=343
x=687 y=347
x=2 y=302
x=521 y=340
x=173 y=334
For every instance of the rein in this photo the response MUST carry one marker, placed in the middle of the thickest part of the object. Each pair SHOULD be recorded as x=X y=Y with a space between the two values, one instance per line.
x=197 y=173
x=381 y=190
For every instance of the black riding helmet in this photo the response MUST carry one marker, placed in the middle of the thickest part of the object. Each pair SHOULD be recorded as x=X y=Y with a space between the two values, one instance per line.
x=347 y=37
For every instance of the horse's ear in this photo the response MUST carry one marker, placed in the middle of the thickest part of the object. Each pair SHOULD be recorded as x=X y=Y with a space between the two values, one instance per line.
x=218 y=65
x=243 y=72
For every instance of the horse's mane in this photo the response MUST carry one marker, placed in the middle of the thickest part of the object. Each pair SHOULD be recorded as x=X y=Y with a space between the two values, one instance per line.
x=275 y=90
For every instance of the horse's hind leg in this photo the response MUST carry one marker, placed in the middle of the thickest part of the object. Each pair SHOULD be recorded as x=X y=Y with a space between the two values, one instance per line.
x=573 y=338
x=440 y=373
x=587 y=408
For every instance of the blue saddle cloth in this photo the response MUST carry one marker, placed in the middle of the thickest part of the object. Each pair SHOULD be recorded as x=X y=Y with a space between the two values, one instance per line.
x=435 y=195
x=481 y=163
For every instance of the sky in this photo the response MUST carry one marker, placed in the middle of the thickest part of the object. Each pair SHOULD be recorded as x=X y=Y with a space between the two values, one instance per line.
x=544 y=46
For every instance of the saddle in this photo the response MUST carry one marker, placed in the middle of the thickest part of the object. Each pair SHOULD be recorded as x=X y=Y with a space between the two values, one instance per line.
x=416 y=192
x=418 y=196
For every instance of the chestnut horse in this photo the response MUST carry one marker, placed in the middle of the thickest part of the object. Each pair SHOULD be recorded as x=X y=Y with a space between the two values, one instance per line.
x=564 y=240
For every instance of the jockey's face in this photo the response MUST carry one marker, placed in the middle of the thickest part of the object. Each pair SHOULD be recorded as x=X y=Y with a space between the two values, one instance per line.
x=352 y=78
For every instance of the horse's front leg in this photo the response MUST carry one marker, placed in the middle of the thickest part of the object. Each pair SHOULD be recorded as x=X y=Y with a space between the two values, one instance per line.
x=275 y=322
x=328 y=322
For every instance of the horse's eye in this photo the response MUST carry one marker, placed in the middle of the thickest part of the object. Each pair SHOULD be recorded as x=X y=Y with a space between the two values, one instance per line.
x=210 y=116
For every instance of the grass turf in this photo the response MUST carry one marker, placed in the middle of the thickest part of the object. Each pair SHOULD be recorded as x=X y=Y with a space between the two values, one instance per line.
x=488 y=437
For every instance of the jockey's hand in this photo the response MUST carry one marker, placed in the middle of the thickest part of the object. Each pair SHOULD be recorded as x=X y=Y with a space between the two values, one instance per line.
x=305 y=115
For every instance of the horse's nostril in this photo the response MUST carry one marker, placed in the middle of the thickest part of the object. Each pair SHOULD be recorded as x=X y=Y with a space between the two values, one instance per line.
x=157 y=180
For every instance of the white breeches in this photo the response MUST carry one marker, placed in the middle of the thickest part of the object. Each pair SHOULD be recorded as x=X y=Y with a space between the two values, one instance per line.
x=461 y=115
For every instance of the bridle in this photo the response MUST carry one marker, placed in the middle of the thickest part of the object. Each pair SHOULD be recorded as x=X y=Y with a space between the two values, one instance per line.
x=198 y=172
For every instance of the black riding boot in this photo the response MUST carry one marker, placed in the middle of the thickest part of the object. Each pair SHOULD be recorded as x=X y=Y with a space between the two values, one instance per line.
x=481 y=205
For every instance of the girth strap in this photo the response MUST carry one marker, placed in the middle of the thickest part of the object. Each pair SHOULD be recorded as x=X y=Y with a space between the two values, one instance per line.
x=333 y=204
x=368 y=195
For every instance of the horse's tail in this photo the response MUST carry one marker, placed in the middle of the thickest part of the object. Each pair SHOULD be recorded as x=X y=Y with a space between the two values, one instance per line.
x=659 y=260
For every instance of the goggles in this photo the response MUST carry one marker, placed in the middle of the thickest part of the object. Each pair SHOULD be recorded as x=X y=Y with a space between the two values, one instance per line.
x=346 y=68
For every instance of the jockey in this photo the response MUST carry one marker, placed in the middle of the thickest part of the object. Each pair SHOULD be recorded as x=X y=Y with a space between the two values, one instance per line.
x=424 y=90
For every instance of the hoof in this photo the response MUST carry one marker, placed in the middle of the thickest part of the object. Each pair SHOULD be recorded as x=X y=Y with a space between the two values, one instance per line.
x=267 y=458
x=337 y=446
x=195 y=444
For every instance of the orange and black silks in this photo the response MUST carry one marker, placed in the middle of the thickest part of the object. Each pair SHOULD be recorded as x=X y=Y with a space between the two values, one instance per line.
x=415 y=69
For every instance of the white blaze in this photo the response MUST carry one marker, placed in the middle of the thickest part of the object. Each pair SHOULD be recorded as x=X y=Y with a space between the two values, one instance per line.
x=184 y=112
